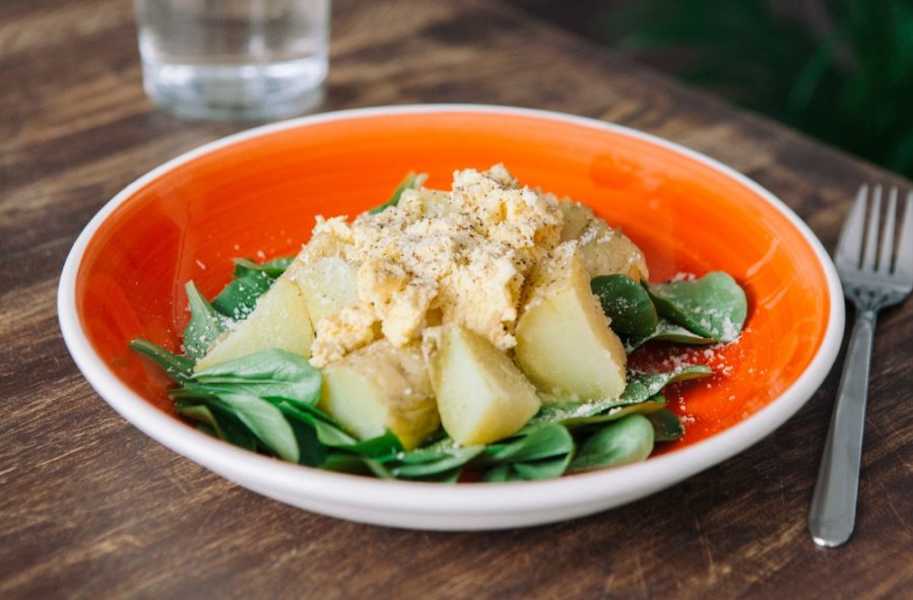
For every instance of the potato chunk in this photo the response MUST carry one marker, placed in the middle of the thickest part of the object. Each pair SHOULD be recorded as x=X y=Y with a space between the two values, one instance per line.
x=564 y=343
x=603 y=250
x=481 y=395
x=576 y=218
x=382 y=387
x=329 y=284
x=279 y=320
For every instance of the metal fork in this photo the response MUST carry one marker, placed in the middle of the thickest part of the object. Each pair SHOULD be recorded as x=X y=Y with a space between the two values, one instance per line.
x=872 y=280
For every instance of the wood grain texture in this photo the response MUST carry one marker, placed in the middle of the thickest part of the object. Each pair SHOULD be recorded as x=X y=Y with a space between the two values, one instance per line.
x=91 y=507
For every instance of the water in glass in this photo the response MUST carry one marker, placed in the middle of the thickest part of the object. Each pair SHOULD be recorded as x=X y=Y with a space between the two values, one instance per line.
x=230 y=59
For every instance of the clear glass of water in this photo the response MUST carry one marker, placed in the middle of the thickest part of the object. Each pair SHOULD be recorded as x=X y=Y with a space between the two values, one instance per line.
x=234 y=59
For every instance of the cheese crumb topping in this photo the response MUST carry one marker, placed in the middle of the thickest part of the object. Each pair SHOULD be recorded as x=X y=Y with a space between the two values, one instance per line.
x=463 y=256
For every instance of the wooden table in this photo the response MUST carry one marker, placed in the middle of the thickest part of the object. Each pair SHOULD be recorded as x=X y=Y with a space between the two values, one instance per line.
x=91 y=507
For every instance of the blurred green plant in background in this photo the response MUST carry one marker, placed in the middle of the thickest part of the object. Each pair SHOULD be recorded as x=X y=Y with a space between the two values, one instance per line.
x=839 y=70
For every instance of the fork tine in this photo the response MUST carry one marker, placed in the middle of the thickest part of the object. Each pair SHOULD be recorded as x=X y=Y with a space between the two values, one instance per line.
x=887 y=236
x=849 y=247
x=904 y=265
x=871 y=238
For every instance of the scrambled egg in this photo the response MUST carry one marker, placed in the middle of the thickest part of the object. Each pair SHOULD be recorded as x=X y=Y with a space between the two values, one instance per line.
x=461 y=256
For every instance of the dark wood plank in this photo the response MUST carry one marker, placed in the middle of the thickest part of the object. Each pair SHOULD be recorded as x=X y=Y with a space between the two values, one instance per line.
x=89 y=506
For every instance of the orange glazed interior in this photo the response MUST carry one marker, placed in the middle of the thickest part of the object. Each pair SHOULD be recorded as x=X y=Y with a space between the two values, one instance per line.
x=257 y=198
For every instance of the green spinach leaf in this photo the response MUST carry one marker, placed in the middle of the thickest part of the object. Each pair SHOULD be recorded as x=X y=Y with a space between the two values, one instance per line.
x=622 y=442
x=657 y=402
x=531 y=443
x=627 y=304
x=271 y=373
x=333 y=436
x=223 y=424
x=274 y=268
x=179 y=368
x=642 y=386
x=438 y=459
x=667 y=427
x=713 y=306
x=669 y=332
x=238 y=299
x=265 y=421
x=311 y=451
x=353 y=463
x=535 y=452
x=549 y=468
x=205 y=324
x=639 y=396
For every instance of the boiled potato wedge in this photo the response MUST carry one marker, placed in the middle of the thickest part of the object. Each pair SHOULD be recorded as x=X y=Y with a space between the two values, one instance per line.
x=564 y=343
x=603 y=250
x=481 y=395
x=328 y=284
x=279 y=320
x=381 y=387
x=576 y=218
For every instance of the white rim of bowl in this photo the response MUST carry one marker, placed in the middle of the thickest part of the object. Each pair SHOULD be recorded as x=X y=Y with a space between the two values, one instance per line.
x=653 y=474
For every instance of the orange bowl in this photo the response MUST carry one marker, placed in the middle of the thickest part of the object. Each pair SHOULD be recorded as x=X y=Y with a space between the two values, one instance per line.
x=257 y=194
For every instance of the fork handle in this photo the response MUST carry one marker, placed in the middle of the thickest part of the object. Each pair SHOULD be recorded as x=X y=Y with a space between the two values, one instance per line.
x=833 y=510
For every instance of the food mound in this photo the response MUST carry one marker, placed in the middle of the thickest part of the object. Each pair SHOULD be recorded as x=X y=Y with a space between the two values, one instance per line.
x=484 y=327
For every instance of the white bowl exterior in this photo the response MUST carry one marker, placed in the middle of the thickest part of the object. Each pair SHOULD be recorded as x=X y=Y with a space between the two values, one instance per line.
x=428 y=505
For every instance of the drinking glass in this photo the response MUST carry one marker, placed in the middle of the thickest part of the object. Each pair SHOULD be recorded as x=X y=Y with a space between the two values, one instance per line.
x=234 y=59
